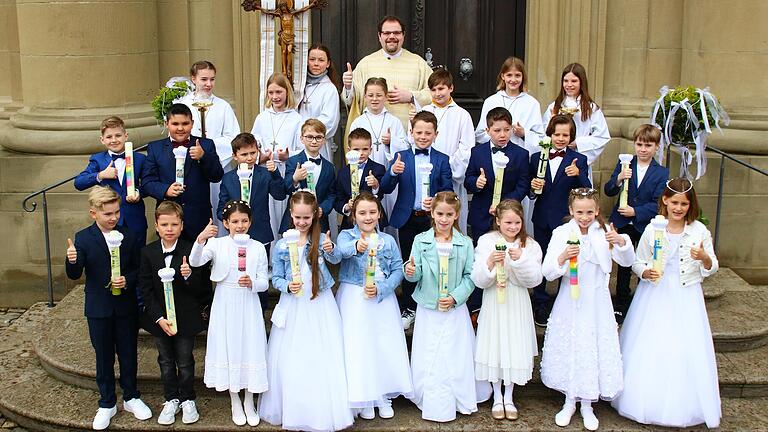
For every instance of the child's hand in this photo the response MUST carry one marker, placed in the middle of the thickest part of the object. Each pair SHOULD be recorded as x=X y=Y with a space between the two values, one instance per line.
x=245 y=281
x=71 y=252
x=426 y=204
x=572 y=145
x=294 y=287
x=346 y=77
x=264 y=155
x=627 y=211
x=446 y=303
x=361 y=245
x=133 y=198
x=300 y=174
x=371 y=291
x=185 y=269
x=327 y=243
x=410 y=268
x=651 y=275
x=167 y=326
x=496 y=256
x=386 y=137
x=271 y=166
x=569 y=252
x=699 y=254
x=399 y=166
x=625 y=174
x=481 y=180
x=282 y=154
x=411 y=111
x=196 y=152
x=371 y=181
x=348 y=206
x=492 y=209
x=209 y=231
x=613 y=237
x=537 y=184
x=319 y=212
x=515 y=253
x=518 y=130
x=110 y=172
x=174 y=190
x=118 y=282
x=572 y=170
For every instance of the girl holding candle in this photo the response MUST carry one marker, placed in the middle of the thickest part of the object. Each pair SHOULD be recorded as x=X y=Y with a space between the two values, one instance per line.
x=581 y=356
x=670 y=372
x=320 y=99
x=443 y=338
x=235 y=357
x=376 y=354
x=506 y=336
x=308 y=384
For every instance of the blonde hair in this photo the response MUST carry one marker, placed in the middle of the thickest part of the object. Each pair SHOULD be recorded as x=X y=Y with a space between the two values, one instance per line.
x=514 y=206
x=282 y=81
x=112 y=122
x=101 y=195
x=314 y=124
x=450 y=198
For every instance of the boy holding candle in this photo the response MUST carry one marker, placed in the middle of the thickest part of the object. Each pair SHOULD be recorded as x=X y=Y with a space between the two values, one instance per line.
x=112 y=168
x=646 y=179
x=369 y=173
x=110 y=302
x=173 y=323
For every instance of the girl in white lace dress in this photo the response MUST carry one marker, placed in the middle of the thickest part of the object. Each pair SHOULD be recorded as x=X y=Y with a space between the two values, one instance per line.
x=581 y=356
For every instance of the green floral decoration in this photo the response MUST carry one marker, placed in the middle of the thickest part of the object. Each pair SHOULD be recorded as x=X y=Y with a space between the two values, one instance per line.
x=165 y=97
x=703 y=218
x=682 y=127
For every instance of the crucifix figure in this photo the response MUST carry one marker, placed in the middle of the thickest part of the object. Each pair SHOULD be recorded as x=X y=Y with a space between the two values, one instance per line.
x=285 y=11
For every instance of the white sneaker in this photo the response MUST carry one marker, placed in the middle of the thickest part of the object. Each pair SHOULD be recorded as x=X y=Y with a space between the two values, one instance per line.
x=385 y=409
x=367 y=413
x=590 y=420
x=168 y=414
x=408 y=317
x=103 y=416
x=139 y=409
x=563 y=418
x=189 y=412
x=252 y=418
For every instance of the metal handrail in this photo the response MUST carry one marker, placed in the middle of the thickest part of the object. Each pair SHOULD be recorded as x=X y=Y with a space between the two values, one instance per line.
x=33 y=206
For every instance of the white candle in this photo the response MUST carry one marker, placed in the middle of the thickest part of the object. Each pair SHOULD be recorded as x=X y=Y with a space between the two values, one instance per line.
x=311 y=175
x=114 y=240
x=659 y=224
x=130 y=183
x=370 y=271
x=500 y=161
x=241 y=241
x=353 y=159
x=292 y=240
x=501 y=275
x=244 y=174
x=425 y=170
x=180 y=154
x=444 y=253
x=541 y=173
x=625 y=160
x=166 y=276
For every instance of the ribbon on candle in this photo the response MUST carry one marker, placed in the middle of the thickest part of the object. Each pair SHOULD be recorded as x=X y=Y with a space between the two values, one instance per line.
x=500 y=161
x=625 y=160
x=130 y=183
x=425 y=170
x=353 y=159
x=443 y=253
x=292 y=239
x=180 y=154
x=501 y=275
x=310 y=167
x=541 y=172
x=114 y=240
x=573 y=267
x=244 y=174
x=370 y=270
x=166 y=275
x=241 y=241
x=659 y=224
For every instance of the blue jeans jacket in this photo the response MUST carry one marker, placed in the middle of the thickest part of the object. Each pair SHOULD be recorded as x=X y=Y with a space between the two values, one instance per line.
x=281 y=265
x=354 y=263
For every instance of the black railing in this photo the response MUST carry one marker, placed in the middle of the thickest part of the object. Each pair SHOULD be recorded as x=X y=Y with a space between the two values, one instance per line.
x=32 y=206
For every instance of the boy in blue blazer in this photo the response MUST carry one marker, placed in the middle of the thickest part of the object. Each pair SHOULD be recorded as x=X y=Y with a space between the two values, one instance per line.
x=411 y=213
x=369 y=171
x=110 y=303
x=201 y=168
x=566 y=170
x=107 y=168
x=297 y=176
x=647 y=180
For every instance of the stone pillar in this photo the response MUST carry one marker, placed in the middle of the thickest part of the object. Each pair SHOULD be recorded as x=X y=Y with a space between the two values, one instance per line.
x=10 y=73
x=81 y=62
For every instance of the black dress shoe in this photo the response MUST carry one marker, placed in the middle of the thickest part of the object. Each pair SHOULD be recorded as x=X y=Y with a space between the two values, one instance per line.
x=540 y=317
x=619 y=317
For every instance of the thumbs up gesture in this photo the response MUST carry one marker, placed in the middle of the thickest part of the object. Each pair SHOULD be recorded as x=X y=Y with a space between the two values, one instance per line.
x=300 y=174
x=481 y=179
x=209 y=231
x=346 y=77
x=282 y=154
x=399 y=166
x=613 y=237
x=71 y=252
x=572 y=170
x=699 y=254
x=410 y=267
x=361 y=245
x=411 y=111
x=372 y=181
x=110 y=172
x=196 y=152
x=327 y=243
x=386 y=137
x=185 y=269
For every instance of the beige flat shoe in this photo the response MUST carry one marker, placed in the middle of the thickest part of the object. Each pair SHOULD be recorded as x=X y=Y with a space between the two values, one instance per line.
x=510 y=411
x=497 y=411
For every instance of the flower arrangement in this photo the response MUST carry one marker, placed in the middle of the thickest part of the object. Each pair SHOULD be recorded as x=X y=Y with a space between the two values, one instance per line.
x=175 y=88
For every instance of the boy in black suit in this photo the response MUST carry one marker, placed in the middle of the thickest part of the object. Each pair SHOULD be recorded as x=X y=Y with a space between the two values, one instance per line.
x=175 y=343
x=110 y=303
x=370 y=173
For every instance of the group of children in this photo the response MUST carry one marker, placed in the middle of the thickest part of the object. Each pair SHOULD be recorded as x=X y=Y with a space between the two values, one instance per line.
x=330 y=358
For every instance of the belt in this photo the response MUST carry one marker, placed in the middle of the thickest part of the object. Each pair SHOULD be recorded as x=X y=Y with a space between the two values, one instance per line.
x=420 y=213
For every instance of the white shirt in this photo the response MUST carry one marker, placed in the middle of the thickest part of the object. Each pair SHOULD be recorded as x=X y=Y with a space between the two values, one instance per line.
x=119 y=164
x=591 y=135
x=554 y=165
x=419 y=159
x=377 y=125
x=321 y=101
x=641 y=170
x=221 y=125
x=281 y=128
x=455 y=137
x=525 y=109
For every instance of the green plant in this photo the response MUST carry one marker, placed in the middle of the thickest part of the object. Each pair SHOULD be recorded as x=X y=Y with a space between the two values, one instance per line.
x=165 y=97
x=702 y=218
x=683 y=126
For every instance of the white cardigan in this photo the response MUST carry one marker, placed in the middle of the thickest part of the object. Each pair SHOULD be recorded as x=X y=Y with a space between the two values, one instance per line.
x=222 y=251
x=525 y=272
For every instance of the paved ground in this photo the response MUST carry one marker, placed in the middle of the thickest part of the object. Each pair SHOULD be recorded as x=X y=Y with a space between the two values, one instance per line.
x=7 y=316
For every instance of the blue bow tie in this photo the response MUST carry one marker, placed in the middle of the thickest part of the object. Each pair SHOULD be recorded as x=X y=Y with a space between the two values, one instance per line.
x=118 y=156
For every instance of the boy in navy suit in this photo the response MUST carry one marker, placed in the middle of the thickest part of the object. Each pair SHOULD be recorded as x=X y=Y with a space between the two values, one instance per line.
x=296 y=174
x=647 y=180
x=107 y=168
x=175 y=344
x=201 y=168
x=411 y=213
x=110 y=304
x=369 y=171
x=566 y=170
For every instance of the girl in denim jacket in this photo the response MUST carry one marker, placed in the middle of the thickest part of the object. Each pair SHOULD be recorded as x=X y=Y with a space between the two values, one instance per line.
x=375 y=350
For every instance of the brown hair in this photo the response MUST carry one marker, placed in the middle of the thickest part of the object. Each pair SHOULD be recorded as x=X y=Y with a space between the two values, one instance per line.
x=236 y=206
x=376 y=81
x=169 y=208
x=515 y=207
x=509 y=64
x=586 y=101
x=589 y=194
x=101 y=195
x=426 y=117
x=242 y=140
x=308 y=198
x=112 y=122
x=681 y=184
x=450 y=198
x=315 y=124
x=440 y=76
x=391 y=18
x=360 y=134
x=647 y=133
x=364 y=196
x=559 y=119
x=201 y=65
x=498 y=114
x=333 y=75
x=282 y=81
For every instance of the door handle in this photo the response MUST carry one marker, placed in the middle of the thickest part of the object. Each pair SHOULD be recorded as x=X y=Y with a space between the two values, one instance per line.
x=466 y=68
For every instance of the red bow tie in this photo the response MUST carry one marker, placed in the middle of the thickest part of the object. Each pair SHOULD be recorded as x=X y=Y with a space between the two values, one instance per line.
x=184 y=143
x=557 y=153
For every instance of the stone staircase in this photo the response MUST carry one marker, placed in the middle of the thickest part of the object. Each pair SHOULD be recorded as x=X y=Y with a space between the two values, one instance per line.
x=47 y=375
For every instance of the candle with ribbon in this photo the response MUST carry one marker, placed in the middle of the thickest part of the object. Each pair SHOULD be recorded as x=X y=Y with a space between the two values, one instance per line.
x=541 y=172
x=114 y=240
x=573 y=267
x=501 y=275
x=625 y=160
x=500 y=161
x=659 y=224
x=425 y=170
x=241 y=241
x=353 y=159
x=166 y=275
x=370 y=270
x=180 y=154
x=443 y=253
x=244 y=174
x=292 y=240
x=130 y=181
x=311 y=176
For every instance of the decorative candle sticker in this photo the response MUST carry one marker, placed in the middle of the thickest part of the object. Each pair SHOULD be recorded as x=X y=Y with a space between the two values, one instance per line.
x=501 y=276
x=425 y=170
x=370 y=270
x=166 y=276
x=500 y=161
x=292 y=239
x=659 y=224
x=625 y=160
x=311 y=176
x=541 y=172
x=444 y=253
x=130 y=183
x=180 y=153
x=573 y=266
x=241 y=241
x=114 y=240
x=244 y=174
x=353 y=159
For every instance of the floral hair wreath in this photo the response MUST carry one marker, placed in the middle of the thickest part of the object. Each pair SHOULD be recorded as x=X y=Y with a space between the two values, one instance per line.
x=583 y=192
x=683 y=192
x=236 y=202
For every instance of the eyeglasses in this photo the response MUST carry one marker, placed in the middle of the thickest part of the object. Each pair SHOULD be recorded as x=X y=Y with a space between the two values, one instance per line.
x=392 y=33
x=584 y=192
x=313 y=138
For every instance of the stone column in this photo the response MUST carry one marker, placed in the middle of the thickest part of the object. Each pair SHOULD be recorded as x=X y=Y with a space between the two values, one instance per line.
x=81 y=62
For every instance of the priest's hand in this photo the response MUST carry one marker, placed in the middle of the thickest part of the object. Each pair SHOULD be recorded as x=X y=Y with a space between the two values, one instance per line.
x=399 y=95
x=346 y=77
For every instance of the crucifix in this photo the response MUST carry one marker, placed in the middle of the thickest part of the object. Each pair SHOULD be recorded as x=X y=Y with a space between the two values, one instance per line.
x=285 y=11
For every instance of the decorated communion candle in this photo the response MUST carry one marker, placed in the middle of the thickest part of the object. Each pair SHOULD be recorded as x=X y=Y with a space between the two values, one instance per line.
x=180 y=154
x=311 y=176
x=130 y=181
x=541 y=172
x=353 y=159
x=244 y=174
x=370 y=270
x=241 y=241
x=501 y=275
x=292 y=239
x=659 y=224
x=425 y=170
x=166 y=277
x=573 y=267
x=443 y=252
x=625 y=160
x=114 y=240
x=500 y=161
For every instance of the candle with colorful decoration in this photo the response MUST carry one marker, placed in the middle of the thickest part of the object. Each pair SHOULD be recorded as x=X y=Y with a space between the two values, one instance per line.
x=114 y=240
x=500 y=161
x=180 y=154
x=625 y=160
x=573 y=267
x=444 y=253
x=425 y=170
x=541 y=172
x=311 y=176
x=370 y=270
x=501 y=275
x=130 y=181
x=292 y=240
x=353 y=159
x=241 y=241
x=166 y=275
x=244 y=174
x=659 y=224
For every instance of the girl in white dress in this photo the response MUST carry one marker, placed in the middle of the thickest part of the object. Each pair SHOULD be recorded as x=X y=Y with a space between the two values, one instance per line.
x=506 y=336
x=277 y=131
x=376 y=354
x=235 y=356
x=320 y=99
x=591 y=128
x=670 y=372
x=307 y=380
x=581 y=356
